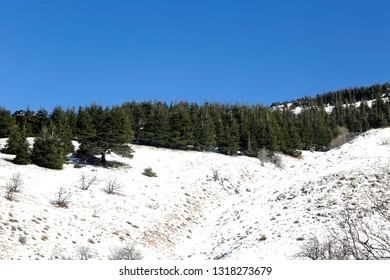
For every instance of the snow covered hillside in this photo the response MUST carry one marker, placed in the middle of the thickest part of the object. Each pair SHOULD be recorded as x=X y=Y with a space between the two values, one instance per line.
x=200 y=205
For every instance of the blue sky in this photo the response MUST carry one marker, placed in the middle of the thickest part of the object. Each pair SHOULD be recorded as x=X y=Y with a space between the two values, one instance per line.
x=73 y=53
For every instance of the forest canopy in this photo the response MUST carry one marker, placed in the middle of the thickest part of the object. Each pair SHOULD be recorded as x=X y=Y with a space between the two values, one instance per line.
x=226 y=128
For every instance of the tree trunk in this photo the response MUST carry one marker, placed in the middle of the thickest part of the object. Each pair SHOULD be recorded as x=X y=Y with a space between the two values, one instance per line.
x=103 y=160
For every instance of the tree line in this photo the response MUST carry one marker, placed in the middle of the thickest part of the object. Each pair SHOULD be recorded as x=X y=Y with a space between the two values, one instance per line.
x=226 y=128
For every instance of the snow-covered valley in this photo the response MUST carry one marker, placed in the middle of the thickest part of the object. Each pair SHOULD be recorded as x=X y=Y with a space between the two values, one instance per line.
x=200 y=205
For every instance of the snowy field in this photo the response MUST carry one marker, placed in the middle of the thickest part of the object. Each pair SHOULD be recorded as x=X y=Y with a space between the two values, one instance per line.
x=200 y=205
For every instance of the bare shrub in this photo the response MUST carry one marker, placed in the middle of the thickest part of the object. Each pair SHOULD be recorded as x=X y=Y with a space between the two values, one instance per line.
x=343 y=136
x=278 y=161
x=85 y=253
x=263 y=155
x=127 y=252
x=13 y=186
x=62 y=198
x=367 y=235
x=113 y=186
x=385 y=141
x=215 y=174
x=327 y=249
x=354 y=238
x=86 y=181
x=362 y=232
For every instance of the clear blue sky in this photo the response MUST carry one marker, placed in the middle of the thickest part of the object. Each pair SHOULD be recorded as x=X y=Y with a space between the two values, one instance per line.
x=75 y=52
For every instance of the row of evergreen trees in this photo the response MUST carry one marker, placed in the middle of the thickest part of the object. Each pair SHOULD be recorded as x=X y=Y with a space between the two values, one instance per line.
x=227 y=128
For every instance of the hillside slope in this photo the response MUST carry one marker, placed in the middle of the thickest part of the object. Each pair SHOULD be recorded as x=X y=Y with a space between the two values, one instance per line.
x=201 y=205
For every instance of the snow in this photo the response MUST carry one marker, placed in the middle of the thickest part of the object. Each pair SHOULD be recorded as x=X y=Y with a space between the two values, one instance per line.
x=201 y=205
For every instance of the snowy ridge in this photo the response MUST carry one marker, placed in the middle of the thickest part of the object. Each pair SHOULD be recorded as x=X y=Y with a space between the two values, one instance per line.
x=328 y=108
x=201 y=205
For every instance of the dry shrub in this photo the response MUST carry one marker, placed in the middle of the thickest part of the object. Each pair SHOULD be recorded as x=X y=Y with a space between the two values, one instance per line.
x=343 y=136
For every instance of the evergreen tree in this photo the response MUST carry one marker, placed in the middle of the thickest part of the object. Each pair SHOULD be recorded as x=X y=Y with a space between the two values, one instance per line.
x=110 y=130
x=48 y=150
x=155 y=127
x=22 y=150
x=6 y=122
x=17 y=145
x=13 y=141
x=39 y=120
x=203 y=127
x=229 y=133
x=25 y=120
x=181 y=127
x=60 y=120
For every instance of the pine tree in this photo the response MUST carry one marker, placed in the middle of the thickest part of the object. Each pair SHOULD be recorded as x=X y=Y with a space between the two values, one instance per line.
x=204 y=128
x=155 y=125
x=22 y=152
x=60 y=120
x=6 y=122
x=13 y=141
x=17 y=145
x=105 y=130
x=48 y=150
x=181 y=127
x=39 y=120
x=229 y=133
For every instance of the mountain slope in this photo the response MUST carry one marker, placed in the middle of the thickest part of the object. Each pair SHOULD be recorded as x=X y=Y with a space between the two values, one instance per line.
x=303 y=200
x=201 y=205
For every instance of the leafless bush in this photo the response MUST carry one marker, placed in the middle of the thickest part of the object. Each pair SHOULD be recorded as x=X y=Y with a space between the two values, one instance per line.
x=366 y=236
x=278 y=161
x=113 y=186
x=85 y=253
x=62 y=198
x=362 y=233
x=263 y=155
x=87 y=181
x=385 y=141
x=127 y=252
x=328 y=249
x=344 y=136
x=215 y=174
x=13 y=186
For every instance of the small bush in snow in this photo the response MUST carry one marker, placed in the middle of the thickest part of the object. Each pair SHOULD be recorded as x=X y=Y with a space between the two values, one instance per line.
x=263 y=155
x=113 y=186
x=14 y=186
x=328 y=249
x=278 y=161
x=86 y=182
x=215 y=174
x=127 y=252
x=22 y=239
x=385 y=141
x=344 y=136
x=149 y=172
x=85 y=253
x=62 y=198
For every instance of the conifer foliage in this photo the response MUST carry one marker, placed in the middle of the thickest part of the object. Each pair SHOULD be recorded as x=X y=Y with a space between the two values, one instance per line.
x=306 y=123
x=104 y=130
x=17 y=144
x=6 y=122
x=48 y=150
